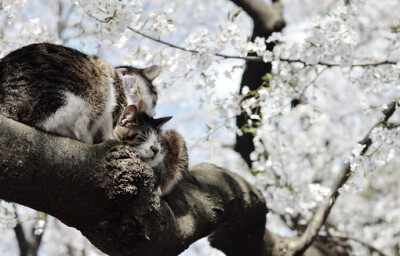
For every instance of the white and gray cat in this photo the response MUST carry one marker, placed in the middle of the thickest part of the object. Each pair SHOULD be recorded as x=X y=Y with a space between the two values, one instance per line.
x=66 y=92
x=164 y=151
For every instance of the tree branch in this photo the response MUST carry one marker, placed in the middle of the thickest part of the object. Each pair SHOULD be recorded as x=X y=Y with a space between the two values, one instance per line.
x=20 y=235
x=268 y=17
x=108 y=194
x=320 y=216
x=259 y=59
x=364 y=243
x=36 y=236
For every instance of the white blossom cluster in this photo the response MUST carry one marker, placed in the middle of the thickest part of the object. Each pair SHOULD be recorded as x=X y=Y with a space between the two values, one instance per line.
x=11 y=7
x=332 y=38
x=377 y=216
x=25 y=32
x=7 y=215
x=296 y=164
x=385 y=146
x=114 y=17
x=162 y=22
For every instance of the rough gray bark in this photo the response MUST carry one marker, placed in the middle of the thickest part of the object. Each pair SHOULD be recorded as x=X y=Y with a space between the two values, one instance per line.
x=108 y=194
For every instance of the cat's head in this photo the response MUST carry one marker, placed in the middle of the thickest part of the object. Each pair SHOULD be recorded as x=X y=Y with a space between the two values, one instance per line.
x=138 y=130
x=138 y=83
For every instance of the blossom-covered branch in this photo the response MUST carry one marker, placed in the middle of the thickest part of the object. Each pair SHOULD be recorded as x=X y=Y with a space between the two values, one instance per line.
x=323 y=211
x=260 y=59
x=225 y=56
x=358 y=240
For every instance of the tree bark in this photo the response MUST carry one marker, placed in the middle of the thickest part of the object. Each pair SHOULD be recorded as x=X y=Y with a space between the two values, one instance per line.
x=108 y=194
x=267 y=18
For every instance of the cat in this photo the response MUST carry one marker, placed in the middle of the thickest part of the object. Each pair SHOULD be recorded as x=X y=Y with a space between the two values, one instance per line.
x=66 y=92
x=164 y=151
x=140 y=93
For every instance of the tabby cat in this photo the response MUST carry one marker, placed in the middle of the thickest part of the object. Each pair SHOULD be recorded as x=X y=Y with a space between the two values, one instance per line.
x=164 y=151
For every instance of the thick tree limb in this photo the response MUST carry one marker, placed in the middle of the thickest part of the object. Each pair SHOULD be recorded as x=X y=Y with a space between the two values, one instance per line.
x=108 y=194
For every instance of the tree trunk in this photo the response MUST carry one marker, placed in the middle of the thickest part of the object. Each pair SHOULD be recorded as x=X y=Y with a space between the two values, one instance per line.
x=267 y=18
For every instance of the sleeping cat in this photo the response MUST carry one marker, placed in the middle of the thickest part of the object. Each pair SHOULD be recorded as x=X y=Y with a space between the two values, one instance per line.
x=63 y=91
x=164 y=151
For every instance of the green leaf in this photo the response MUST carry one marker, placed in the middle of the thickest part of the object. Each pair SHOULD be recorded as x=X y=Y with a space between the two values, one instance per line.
x=236 y=13
x=256 y=171
x=267 y=77
x=346 y=2
x=251 y=130
x=395 y=29
x=108 y=19
x=41 y=216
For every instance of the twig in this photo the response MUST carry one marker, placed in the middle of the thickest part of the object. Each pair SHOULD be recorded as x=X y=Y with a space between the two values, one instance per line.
x=335 y=64
x=225 y=56
x=392 y=125
x=28 y=245
x=320 y=216
x=349 y=237
x=257 y=58
x=247 y=58
x=36 y=239
x=20 y=235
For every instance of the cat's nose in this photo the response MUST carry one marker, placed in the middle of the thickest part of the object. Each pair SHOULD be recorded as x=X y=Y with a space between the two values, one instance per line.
x=154 y=149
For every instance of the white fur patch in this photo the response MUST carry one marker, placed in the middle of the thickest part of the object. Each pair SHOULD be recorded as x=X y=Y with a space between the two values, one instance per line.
x=145 y=93
x=173 y=182
x=105 y=120
x=147 y=155
x=72 y=120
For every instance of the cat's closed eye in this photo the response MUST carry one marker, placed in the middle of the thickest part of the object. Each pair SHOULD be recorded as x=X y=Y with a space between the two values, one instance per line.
x=141 y=139
x=131 y=137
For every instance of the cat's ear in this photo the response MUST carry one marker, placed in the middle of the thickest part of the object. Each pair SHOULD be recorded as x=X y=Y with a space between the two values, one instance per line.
x=129 y=84
x=150 y=73
x=161 y=121
x=120 y=73
x=130 y=115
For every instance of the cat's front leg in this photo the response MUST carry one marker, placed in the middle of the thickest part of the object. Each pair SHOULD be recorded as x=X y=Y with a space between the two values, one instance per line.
x=107 y=129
